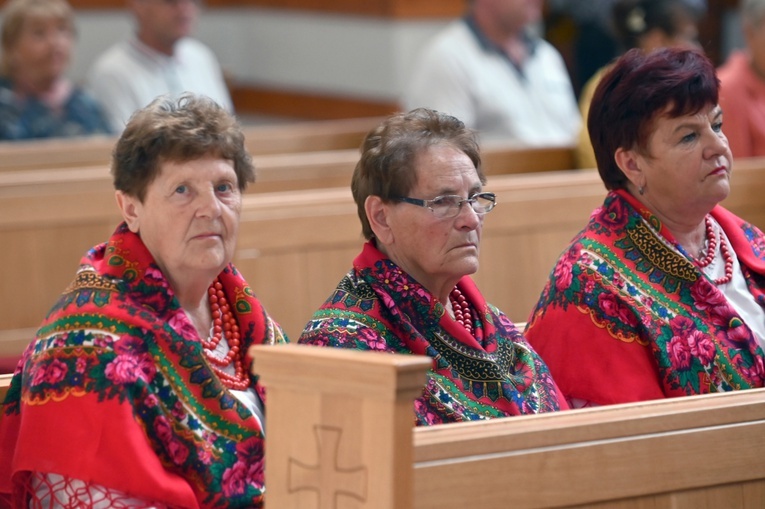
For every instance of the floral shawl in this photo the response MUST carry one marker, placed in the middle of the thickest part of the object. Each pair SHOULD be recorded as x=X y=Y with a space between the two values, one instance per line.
x=377 y=306
x=115 y=390
x=627 y=316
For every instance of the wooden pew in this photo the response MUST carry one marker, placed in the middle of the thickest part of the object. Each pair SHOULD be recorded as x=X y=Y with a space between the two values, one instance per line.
x=281 y=172
x=295 y=255
x=5 y=383
x=341 y=435
x=294 y=246
x=73 y=209
x=293 y=137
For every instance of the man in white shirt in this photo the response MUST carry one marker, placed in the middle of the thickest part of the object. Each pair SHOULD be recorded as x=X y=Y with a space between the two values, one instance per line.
x=490 y=71
x=161 y=58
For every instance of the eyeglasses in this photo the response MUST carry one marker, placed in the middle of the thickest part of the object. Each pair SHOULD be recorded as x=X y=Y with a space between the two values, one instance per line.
x=449 y=205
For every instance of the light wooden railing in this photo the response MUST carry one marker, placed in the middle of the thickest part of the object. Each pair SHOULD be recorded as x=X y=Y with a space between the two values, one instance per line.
x=340 y=434
x=287 y=138
x=5 y=384
x=295 y=246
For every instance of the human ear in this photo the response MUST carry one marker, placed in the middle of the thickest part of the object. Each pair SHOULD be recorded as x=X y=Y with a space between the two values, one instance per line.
x=129 y=207
x=378 y=216
x=629 y=162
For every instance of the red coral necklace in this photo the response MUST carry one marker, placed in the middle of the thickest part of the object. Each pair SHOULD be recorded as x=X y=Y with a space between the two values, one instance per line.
x=712 y=252
x=463 y=313
x=224 y=326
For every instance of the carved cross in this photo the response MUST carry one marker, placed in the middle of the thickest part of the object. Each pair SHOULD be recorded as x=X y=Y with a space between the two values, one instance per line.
x=326 y=478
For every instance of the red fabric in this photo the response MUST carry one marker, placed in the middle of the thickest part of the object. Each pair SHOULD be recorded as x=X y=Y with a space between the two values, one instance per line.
x=627 y=316
x=96 y=449
x=491 y=372
x=116 y=390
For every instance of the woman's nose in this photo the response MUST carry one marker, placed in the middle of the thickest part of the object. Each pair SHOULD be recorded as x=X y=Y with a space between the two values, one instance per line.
x=717 y=144
x=208 y=204
x=468 y=217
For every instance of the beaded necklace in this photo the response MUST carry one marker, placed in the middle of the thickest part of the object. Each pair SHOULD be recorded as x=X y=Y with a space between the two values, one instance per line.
x=463 y=313
x=711 y=237
x=224 y=325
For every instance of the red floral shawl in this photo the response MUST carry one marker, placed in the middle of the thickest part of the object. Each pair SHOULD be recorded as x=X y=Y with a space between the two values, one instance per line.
x=377 y=306
x=115 y=390
x=626 y=316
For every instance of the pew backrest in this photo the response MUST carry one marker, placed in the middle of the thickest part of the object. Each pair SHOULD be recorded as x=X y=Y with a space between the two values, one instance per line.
x=295 y=246
x=340 y=427
x=293 y=137
x=5 y=384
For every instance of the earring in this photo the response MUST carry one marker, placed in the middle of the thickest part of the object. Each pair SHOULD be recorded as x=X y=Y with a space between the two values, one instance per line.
x=641 y=190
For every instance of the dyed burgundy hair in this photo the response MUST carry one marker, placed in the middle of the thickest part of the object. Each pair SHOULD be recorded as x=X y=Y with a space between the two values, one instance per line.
x=635 y=91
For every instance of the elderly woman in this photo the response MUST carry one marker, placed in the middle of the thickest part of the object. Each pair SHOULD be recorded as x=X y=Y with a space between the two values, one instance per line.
x=36 y=98
x=662 y=293
x=137 y=390
x=419 y=191
x=644 y=24
x=742 y=79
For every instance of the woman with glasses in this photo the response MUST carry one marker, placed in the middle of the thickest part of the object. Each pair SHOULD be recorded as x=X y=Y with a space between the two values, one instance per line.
x=419 y=191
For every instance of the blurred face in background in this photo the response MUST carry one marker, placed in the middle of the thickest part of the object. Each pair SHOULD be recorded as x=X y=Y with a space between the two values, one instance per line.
x=754 y=34
x=41 y=53
x=512 y=16
x=162 y=23
x=686 y=35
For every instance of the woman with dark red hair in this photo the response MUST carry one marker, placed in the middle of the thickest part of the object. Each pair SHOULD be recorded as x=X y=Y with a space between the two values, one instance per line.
x=662 y=293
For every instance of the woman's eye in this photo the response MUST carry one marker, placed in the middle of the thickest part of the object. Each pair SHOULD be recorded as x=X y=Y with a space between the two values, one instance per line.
x=180 y=189
x=224 y=188
x=688 y=138
x=717 y=127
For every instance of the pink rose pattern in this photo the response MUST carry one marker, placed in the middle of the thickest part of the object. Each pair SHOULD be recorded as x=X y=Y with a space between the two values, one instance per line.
x=379 y=307
x=693 y=331
x=114 y=347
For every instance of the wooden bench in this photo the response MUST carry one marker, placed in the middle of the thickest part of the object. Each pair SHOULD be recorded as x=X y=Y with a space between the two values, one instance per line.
x=295 y=246
x=279 y=172
x=340 y=435
x=5 y=384
x=295 y=255
x=294 y=137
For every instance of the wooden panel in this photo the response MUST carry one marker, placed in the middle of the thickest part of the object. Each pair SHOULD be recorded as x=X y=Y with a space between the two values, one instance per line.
x=376 y=8
x=5 y=382
x=499 y=158
x=281 y=102
x=692 y=452
x=294 y=246
x=287 y=138
x=597 y=455
x=13 y=341
x=339 y=431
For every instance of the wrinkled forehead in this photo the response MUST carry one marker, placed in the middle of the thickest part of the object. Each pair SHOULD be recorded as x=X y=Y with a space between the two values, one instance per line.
x=441 y=164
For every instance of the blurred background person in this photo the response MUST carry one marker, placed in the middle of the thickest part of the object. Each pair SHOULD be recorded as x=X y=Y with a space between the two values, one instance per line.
x=161 y=58
x=742 y=92
x=593 y=44
x=418 y=188
x=492 y=71
x=138 y=391
x=662 y=294
x=647 y=25
x=37 y=100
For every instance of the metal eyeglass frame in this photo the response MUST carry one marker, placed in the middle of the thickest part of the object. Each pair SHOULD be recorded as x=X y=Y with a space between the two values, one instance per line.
x=428 y=204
